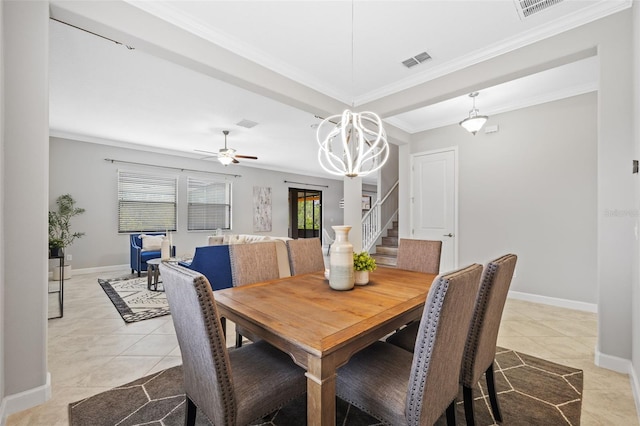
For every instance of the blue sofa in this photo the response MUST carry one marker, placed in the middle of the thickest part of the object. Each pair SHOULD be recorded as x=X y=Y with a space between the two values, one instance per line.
x=138 y=257
x=214 y=263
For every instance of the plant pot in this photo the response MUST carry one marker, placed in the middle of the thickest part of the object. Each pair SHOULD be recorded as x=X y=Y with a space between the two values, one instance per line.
x=56 y=252
x=361 y=277
x=66 y=271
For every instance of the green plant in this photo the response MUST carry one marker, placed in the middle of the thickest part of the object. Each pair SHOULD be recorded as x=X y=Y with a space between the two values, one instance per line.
x=60 y=235
x=363 y=262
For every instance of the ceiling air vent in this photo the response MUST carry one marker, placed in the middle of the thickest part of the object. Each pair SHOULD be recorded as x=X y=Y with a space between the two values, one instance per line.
x=247 y=123
x=416 y=60
x=527 y=8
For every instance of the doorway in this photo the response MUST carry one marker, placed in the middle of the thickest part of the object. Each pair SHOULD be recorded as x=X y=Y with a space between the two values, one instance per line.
x=305 y=213
x=433 y=214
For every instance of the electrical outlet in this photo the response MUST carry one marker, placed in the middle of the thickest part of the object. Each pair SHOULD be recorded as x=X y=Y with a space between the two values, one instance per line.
x=69 y=257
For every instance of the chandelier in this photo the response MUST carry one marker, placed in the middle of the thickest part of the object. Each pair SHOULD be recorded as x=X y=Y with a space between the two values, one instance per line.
x=356 y=145
x=474 y=122
x=352 y=144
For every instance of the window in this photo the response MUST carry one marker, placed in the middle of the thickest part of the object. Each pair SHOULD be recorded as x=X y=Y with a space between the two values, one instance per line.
x=146 y=203
x=209 y=205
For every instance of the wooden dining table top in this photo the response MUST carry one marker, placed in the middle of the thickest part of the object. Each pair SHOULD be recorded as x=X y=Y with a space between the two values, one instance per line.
x=316 y=319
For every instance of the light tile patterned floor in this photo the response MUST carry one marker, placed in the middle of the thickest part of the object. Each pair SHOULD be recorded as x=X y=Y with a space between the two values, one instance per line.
x=91 y=350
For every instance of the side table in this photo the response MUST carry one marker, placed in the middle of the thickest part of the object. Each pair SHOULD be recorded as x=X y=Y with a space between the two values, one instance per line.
x=60 y=290
x=153 y=274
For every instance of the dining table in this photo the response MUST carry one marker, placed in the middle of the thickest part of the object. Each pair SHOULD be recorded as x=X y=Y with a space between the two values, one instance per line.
x=321 y=328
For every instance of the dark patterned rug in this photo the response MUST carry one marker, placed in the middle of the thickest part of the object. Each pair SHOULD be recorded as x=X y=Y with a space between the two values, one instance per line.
x=132 y=299
x=531 y=391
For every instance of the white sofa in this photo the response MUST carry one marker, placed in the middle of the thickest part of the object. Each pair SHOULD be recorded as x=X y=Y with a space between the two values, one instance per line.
x=281 y=246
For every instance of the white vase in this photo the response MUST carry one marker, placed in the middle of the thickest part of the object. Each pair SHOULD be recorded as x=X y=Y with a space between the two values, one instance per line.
x=341 y=260
x=361 y=277
x=165 y=249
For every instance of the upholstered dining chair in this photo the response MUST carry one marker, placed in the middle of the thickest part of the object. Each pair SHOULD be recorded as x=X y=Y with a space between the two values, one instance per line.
x=419 y=255
x=401 y=388
x=305 y=255
x=480 y=348
x=252 y=263
x=230 y=387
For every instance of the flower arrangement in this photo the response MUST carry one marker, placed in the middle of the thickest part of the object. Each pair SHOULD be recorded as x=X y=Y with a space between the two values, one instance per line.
x=363 y=262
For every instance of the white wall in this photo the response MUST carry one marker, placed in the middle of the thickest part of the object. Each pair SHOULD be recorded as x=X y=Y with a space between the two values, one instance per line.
x=635 y=293
x=25 y=191
x=79 y=168
x=530 y=189
x=2 y=298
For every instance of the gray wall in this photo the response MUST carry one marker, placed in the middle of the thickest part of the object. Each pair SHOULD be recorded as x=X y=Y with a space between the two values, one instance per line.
x=2 y=297
x=530 y=189
x=635 y=294
x=79 y=168
x=25 y=191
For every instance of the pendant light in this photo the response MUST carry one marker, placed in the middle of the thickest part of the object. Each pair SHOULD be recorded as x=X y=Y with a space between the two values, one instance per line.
x=475 y=121
x=352 y=144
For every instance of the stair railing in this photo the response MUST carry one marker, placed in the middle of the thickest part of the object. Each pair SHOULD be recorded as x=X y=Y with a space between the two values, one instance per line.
x=382 y=211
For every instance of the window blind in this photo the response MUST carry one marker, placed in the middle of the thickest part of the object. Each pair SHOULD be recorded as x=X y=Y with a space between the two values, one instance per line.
x=146 y=203
x=209 y=205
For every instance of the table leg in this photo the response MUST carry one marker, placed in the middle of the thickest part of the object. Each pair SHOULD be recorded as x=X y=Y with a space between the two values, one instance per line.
x=149 y=276
x=321 y=392
x=156 y=277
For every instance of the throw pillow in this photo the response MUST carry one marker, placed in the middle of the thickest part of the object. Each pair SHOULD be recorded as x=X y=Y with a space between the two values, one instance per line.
x=151 y=242
x=215 y=240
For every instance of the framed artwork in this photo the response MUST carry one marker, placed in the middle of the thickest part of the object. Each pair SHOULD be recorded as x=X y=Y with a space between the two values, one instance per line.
x=366 y=202
x=261 y=209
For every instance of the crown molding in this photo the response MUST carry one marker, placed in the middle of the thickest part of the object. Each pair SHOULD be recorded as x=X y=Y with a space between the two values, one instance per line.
x=558 y=26
x=177 y=17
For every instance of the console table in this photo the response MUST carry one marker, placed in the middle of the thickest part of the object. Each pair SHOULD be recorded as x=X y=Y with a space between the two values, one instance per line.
x=60 y=290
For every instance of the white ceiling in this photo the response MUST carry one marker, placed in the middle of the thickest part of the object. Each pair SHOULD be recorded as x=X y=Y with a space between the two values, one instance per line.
x=104 y=92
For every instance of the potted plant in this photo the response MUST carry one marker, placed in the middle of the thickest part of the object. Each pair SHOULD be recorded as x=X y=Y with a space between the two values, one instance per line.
x=363 y=263
x=60 y=234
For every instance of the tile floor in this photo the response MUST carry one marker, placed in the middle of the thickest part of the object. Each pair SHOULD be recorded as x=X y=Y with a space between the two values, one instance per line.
x=91 y=350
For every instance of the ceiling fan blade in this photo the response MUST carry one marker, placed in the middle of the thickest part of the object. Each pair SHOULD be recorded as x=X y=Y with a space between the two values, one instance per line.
x=235 y=161
x=248 y=157
x=206 y=152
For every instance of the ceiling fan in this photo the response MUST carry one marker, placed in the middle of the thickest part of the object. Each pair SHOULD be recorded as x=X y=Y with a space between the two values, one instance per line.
x=228 y=155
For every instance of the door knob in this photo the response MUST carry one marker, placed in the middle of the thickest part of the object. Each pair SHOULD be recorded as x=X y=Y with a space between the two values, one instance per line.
x=448 y=235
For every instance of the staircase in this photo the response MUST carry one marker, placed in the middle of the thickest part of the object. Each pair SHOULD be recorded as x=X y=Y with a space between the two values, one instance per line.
x=387 y=253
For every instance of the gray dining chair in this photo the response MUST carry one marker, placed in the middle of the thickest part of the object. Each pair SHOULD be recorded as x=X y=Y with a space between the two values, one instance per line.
x=305 y=256
x=401 y=388
x=480 y=347
x=419 y=255
x=252 y=263
x=230 y=387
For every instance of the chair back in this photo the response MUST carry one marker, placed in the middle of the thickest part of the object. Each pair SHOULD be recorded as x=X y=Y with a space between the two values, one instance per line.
x=253 y=263
x=214 y=263
x=480 y=348
x=205 y=361
x=419 y=255
x=435 y=370
x=305 y=256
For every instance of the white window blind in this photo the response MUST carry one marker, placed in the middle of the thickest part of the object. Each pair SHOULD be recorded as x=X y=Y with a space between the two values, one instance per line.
x=209 y=205
x=146 y=203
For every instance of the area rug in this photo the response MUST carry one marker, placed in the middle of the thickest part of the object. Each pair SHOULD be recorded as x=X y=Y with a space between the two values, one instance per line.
x=531 y=391
x=132 y=299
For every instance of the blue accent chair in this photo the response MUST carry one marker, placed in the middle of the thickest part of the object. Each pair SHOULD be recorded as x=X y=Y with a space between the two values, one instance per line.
x=214 y=263
x=138 y=257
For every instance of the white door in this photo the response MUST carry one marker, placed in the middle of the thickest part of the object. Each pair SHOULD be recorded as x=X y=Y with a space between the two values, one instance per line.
x=434 y=202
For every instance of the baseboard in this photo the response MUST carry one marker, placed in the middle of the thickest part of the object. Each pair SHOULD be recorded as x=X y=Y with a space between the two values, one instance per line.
x=553 y=301
x=635 y=388
x=112 y=268
x=24 y=400
x=610 y=362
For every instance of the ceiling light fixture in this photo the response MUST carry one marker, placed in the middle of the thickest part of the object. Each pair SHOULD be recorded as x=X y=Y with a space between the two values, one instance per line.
x=352 y=144
x=474 y=122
